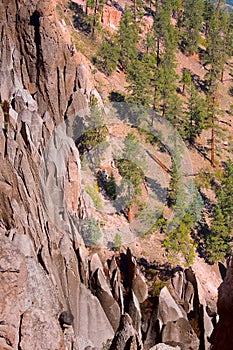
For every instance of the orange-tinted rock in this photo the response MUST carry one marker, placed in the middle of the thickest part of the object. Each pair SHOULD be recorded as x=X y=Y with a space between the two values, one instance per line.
x=111 y=18
x=13 y=277
x=39 y=330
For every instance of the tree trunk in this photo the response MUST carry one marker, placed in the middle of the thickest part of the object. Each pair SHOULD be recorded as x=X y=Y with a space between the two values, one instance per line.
x=135 y=9
x=222 y=72
x=158 y=53
x=213 y=146
x=94 y=19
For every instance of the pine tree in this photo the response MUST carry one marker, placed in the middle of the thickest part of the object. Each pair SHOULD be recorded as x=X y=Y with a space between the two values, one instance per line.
x=111 y=187
x=186 y=80
x=192 y=24
x=173 y=185
x=225 y=195
x=139 y=78
x=214 y=51
x=217 y=242
x=195 y=114
x=96 y=7
x=128 y=36
x=162 y=24
x=138 y=10
x=117 y=241
x=179 y=240
x=164 y=74
x=107 y=57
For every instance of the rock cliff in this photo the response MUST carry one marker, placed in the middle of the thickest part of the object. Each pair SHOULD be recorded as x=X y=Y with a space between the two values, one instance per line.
x=54 y=295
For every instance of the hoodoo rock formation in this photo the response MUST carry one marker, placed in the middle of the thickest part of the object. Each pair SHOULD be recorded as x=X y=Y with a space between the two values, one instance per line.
x=54 y=293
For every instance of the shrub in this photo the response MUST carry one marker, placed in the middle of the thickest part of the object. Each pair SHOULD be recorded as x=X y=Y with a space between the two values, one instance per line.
x=91 y=232
x=117 y=241
x=158 y=286
x=130 y=171
x=94 y=194
x=111 y=187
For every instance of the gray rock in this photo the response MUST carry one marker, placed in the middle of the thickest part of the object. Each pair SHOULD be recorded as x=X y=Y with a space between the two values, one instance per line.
x=126 y=337
x=180 y=333
x=95 y=263
x=168 y=310
x=94 y=327
x=109 y=304
x=13 y=277
x=162 y=346
x=39 y=330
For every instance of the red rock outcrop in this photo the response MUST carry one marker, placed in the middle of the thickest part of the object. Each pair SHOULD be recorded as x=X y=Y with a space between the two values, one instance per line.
x=110 y=18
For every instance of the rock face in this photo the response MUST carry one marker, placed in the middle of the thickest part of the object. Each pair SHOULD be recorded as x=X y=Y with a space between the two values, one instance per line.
x=40 y=331
x=13 y=277
x=111 y=18
x=221 y=337
x=180 y=333
x=52 y=294
x=41 y=85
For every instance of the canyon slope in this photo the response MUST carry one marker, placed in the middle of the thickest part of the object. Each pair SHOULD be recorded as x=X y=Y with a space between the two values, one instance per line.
x=55 y=293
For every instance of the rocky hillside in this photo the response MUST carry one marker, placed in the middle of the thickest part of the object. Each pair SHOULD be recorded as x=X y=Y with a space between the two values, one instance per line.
x=55 y=293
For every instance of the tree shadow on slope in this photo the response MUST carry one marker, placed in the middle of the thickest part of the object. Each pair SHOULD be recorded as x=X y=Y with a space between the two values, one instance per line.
x=80 y=19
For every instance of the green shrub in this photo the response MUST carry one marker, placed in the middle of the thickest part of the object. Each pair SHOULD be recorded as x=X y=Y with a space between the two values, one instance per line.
x=117 y=241
x=131 y=172
x=91 y=232
x=158 y=286
x=111 y=187
x=94 y=194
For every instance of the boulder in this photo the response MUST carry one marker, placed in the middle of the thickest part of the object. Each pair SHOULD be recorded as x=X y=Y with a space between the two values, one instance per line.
x=94 y=328
x=168 y=310
x=162 y=346
x=126 y=336
x=108 y=303
x=39 y=330
x=180 y=333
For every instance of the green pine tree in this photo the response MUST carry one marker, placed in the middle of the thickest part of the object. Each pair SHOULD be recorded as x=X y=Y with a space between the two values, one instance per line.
x=107 y=57
x=217 y=242
x=117 y=241
x=139 y=78
x=173 y=185
x=127 y=40
x=195 y=114
x=192 y=25
x=179 y=241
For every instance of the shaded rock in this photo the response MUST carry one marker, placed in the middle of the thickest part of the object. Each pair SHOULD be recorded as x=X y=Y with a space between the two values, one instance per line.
x=177 y=282
x=134 y=311
x=126 y=337
x=199 y=313
x=66 y=318
x=109 y=304
x=133 y=278
x=83 y=266
x=139 y=287
x=168 y=310
x=39 y=330
x=94 y=328
x=180 y=333
x=151 y=325
x=95 y=263
x=221 y=337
